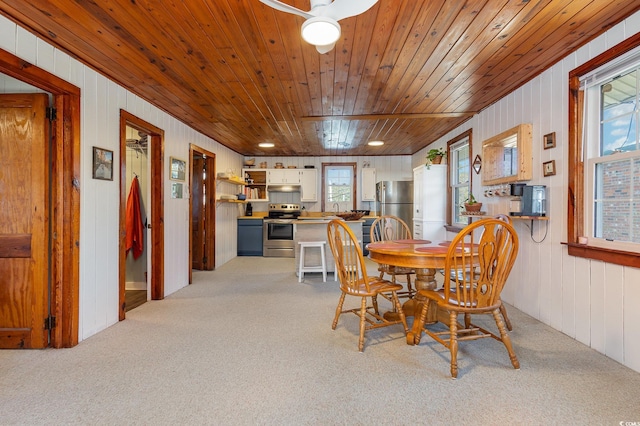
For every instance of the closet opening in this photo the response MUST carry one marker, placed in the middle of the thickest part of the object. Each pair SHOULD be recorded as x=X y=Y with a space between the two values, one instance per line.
x=137 y=289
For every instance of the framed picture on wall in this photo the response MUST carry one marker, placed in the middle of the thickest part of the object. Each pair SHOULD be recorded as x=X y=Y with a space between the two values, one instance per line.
x=102 y=164
x=549 y=168
x=176 y=190
x=549 y=140
x=178 y=169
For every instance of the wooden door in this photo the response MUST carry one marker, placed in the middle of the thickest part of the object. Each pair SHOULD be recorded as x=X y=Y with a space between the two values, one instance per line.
x=198 y=213
x=24 y=221
x=202 y=210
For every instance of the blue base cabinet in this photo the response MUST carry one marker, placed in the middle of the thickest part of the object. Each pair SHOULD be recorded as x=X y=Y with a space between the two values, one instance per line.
x=249 y=237
x=366 y=234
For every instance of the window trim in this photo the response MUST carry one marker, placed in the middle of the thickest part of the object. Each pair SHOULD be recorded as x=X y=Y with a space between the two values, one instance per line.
x=576 y=167
x=467 y=134
x=354 y=189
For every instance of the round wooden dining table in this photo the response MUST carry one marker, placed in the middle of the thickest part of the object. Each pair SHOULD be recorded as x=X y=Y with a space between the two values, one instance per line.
x=425 y=257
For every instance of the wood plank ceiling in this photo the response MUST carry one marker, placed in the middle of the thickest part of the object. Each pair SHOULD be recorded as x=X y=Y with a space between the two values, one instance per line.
x=405 y=72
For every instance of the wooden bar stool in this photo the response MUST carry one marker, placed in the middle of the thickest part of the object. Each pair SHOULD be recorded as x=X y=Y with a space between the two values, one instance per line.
x=302 y=268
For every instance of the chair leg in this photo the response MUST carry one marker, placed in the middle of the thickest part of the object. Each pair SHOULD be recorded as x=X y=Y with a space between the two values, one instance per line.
x=414 y=339
x=363 y=313
x=400 y=311
x=507 y=321
x=467 y=321
x=338 y=310
x=409 y=287
x=506 y=339
x=374 y=302
x=453 y=342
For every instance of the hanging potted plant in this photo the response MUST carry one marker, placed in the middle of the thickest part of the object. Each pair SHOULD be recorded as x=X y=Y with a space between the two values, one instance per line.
x=435 y=156
x=471 y=205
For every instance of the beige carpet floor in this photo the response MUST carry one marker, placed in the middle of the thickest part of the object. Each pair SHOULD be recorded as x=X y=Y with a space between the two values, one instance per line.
x=248 y=345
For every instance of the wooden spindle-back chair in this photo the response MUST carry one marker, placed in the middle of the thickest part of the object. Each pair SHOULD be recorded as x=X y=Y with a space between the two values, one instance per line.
x=490 y=246
x=354 y=281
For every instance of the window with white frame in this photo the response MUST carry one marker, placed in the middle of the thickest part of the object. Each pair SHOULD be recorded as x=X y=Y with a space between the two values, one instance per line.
x=611 y=150
x=339 y=187
x=459 y=178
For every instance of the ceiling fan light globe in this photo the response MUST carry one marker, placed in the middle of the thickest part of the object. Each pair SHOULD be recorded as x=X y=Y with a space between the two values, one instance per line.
x=320 y=31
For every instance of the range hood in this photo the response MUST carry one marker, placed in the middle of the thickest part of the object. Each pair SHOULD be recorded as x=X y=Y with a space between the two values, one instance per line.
x=283 y=188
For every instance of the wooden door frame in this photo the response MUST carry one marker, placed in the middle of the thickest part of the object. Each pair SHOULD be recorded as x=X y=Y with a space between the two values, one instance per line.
x=65 y=195
x=156 y=144
x=210 y=232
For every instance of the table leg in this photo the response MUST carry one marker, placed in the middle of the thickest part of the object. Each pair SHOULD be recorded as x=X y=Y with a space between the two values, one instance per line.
x=425 y=280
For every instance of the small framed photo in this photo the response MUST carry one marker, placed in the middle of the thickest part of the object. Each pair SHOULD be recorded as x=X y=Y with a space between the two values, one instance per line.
x=102 y=164
x=549 y=168
x=178 y=169
x=176 y=190
x=549 y=140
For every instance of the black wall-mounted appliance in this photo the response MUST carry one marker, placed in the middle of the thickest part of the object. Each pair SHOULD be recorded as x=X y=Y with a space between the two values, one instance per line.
x=533 y=200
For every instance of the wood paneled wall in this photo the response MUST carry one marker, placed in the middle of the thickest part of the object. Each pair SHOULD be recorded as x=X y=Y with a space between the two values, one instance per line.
x=593 y=302
x=102 y=100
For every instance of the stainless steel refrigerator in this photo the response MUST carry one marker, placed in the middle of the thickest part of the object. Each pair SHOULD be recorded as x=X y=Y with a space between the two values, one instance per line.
x=396 y=198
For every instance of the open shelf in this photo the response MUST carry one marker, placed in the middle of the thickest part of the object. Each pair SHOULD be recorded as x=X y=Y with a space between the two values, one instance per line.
x=231 y=201
x=258 y=177
x=235 y=181
x=512 y=217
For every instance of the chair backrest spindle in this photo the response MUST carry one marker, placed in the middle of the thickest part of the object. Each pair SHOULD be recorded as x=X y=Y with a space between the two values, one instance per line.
x=347 y=254
x=492 y=255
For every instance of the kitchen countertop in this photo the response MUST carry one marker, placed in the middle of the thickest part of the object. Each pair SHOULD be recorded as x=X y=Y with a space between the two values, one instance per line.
x=312 y=219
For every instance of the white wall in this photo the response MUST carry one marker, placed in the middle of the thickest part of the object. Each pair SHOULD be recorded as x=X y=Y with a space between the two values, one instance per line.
x=392 y=167
x=594 y=302
x=101 y=101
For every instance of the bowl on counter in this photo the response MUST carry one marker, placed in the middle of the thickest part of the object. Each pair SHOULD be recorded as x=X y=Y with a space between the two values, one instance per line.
x=350 y=215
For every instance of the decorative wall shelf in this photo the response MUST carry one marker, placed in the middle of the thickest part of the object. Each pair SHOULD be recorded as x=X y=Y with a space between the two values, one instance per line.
x=233 y=181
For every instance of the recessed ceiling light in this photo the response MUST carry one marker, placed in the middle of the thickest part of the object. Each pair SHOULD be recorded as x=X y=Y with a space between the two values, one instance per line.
x=266 y=145
x=375 y=143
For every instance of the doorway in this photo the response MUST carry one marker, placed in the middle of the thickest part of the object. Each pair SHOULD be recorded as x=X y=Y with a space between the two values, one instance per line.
x=62 y=320
x=138 y=173
x=202 y=230
x=134 y=133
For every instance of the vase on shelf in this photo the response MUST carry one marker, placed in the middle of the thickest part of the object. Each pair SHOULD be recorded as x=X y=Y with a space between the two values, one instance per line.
x=472 y=208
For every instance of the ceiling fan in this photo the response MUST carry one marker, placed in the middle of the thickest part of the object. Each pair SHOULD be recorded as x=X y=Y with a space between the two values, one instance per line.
x=321 y=27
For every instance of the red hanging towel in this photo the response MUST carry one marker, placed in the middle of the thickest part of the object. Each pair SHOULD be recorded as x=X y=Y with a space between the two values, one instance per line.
x=134 y=225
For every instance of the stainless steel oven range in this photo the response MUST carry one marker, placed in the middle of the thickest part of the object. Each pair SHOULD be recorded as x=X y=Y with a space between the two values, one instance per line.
x=277 y=234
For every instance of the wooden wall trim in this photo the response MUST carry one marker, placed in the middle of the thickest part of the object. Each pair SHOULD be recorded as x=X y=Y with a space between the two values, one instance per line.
x=156 y=141
x=65 y=222
x=576 y=190
x=617 y=257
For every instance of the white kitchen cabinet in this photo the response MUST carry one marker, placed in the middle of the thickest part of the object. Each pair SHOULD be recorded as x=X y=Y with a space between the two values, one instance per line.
x=368 y=184
x=429 y=202
x=308 y=185
x=283 y=176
